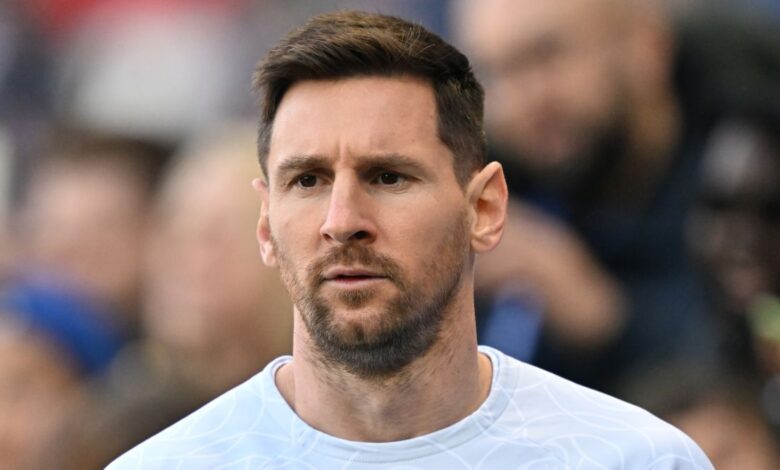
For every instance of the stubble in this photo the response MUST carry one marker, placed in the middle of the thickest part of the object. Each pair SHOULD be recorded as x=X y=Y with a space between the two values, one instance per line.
x=410 y=323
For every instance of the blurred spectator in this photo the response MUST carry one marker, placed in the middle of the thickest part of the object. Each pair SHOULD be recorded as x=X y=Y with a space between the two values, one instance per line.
x=37 y=390
x=722 y=413
x=735 y=229
x=84 y=218
x=213 y=305
x=70 y=302
x=214 y=314
x=600 y=110
x=51 y=342
x=572 y=85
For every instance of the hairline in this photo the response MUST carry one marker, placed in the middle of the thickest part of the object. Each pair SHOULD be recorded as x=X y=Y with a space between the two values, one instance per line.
x=264 y=144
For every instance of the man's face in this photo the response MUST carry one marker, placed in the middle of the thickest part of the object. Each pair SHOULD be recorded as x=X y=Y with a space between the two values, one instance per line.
x=735 y=227
x=556 y=92
x=205 y=287
x=365 y=218
x=99 y=211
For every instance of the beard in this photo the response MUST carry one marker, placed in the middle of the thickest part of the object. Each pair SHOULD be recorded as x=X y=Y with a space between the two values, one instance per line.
x=586 y=171
x=407 y=325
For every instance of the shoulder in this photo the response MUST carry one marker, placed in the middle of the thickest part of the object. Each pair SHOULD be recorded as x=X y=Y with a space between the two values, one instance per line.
x=581 y=424
x=247 y=423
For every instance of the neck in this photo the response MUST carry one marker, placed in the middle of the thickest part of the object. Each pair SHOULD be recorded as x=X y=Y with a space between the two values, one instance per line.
x=446 y=384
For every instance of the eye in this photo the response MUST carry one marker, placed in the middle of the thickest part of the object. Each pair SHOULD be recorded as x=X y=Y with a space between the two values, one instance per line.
x=306 y=180
x=389 y=178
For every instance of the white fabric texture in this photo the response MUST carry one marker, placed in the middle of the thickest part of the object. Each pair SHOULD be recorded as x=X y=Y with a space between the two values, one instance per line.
x=531 y=419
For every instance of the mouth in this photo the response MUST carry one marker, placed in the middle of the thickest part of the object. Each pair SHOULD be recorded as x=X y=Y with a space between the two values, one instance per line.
x=351 y=276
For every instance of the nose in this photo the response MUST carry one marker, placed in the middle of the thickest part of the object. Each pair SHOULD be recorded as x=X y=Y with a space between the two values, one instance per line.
x=349 y=218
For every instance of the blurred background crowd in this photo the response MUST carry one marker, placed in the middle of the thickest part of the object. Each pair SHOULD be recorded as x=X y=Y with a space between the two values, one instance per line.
x=641 y=144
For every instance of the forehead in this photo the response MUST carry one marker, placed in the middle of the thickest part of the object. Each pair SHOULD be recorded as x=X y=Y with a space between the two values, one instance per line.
x=208 y=190
x=739 y=159
x=357 y=117
x=85 y=189
x=494 y=28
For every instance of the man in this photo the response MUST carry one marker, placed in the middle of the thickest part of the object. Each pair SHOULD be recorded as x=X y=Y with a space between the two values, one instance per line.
x=97 y=190
x=376 y=203
x=734 y=234
x=595 y=105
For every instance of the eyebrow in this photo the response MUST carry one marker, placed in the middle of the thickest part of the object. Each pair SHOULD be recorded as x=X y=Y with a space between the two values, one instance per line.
x=391 y=161
x=299 y=163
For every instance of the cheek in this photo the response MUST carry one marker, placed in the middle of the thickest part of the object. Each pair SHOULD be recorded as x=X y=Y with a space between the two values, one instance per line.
x=289 y=226
x=589 y=85
x=506 y=102
x=295 y=240
x=420 y=234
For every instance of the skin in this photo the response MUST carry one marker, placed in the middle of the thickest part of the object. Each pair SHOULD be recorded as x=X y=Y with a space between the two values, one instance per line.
x=208 y=299
x=732 y=437
x=350 y=125
x=100 y=214
x=734 y=229
x=38 y=390
x=538 y=102
x=565 y=79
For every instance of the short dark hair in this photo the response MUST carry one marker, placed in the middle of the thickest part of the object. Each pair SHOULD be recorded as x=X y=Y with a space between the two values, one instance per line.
x=66 y=147
x=353 y=44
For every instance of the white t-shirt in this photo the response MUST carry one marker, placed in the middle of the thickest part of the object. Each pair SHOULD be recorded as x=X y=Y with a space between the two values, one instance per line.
x=531 y=419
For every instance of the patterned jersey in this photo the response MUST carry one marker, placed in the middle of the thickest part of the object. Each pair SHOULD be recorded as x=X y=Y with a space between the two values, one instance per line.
x=531 y=419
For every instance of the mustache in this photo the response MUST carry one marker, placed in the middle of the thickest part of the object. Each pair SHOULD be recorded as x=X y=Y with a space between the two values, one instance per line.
x=356 y=255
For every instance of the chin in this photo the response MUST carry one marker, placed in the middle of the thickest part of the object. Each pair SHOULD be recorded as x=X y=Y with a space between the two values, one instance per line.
x=360 y=325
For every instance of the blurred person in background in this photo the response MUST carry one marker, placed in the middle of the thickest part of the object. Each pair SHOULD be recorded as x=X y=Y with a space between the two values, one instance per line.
x=600 y=109
x=735 y=232
x=735 y=229
x=50 y=347
x=209 y=301
x=213 y=314
x=71 y=297
x=37 y=390
x=720 y=411
x=83 y=221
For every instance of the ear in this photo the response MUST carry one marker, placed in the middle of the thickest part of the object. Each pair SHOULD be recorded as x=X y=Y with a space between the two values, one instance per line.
x=487 y=195
x=267 y=251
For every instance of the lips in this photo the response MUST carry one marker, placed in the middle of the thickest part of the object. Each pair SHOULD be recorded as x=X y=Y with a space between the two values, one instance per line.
x=345 y=274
